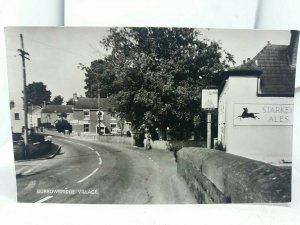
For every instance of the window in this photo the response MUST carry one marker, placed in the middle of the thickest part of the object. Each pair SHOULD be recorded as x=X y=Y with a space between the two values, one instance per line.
x=17 y=116
x=114 y=128
x=86 y=115
x=86 y=128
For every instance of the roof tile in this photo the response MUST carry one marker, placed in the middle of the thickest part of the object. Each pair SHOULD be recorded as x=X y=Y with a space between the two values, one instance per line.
x=58 y=109
x=92 y=103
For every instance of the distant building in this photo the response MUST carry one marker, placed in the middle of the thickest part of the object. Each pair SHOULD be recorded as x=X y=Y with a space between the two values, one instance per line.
x=86 y=117
x=256 y=105
x=34 y=116
x=16 y=118
x=52 y=113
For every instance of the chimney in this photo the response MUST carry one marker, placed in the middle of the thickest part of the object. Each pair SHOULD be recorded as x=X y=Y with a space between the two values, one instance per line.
x=75 y=98
x=11 y=104
x=269 y=43
x=294 y=48
x=248 y=59
x=244 y=61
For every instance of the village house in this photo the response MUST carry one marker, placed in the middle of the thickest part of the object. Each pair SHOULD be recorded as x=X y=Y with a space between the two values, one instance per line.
x=256 y=105
x=34 y=116
x=50 y=114
x=87 y=118
x=16 y=117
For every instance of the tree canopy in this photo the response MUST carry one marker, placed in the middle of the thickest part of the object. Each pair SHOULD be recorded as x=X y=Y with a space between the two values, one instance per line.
x=37 y=93
x=70 y=102
x=57 y=100
x=63 y=125
x=157 y=74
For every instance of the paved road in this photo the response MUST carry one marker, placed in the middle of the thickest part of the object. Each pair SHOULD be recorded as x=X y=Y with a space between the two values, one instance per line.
x=93 y=172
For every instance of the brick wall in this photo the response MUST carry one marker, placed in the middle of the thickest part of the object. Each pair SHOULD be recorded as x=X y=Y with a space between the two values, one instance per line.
x=218 y=177
x=93 y=121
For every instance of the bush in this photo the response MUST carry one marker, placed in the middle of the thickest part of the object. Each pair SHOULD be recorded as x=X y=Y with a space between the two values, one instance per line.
x=35 y=137
x=17 y=136
x=63 y=125
x=128 y=133
x=47 y=125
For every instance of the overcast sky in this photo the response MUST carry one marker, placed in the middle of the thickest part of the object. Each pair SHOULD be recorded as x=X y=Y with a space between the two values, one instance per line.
x=55 y=54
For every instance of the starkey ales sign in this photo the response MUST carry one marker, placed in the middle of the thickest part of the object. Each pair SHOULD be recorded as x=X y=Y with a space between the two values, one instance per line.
x=263 y=114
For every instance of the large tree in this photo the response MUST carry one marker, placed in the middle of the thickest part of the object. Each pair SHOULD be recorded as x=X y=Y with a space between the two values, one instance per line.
x=57 y=100
x=37 y=93
x=157 y=74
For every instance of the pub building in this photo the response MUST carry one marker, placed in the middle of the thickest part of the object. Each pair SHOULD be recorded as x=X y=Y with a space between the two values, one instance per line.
x=255 y=117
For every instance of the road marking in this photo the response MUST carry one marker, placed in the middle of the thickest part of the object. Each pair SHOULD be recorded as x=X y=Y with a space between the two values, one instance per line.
x=44 y=199
x=91 y=148
x=100 y=161
x=91 y=174
x=30 y=185
x=35 y=166
x=20 y=170
x=28 y=171
x=98 y=154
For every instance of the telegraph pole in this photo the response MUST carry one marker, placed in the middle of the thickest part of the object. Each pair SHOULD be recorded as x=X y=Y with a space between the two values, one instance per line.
x=208 y=145
x=99 y=112
x=23 y=54
x=209 y=100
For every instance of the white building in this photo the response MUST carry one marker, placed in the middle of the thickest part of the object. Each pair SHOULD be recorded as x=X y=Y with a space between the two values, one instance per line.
x=256 y=105
x=16 y=118
x=34 y=116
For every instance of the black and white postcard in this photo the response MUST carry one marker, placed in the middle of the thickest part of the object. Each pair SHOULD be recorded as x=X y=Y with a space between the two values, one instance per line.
x=144 y=115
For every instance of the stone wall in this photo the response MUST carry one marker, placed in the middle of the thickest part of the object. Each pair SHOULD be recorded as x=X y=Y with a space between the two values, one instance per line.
x=163 y=145
x=218 y=177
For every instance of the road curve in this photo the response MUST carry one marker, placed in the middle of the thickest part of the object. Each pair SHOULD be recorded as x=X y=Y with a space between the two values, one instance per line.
x=94 y=172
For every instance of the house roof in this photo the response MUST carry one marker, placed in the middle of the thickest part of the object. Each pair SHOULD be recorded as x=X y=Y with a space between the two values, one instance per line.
x=249 y=69
x=58 y=109
x=34 y=108
x=92 y=103
x=277 y=78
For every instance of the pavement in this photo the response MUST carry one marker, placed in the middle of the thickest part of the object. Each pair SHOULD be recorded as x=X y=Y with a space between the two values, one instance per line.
x=93 y=172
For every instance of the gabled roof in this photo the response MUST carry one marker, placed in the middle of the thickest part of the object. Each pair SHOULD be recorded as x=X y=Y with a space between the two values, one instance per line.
x=92 y=103
x=278 y=78
x=58 y=109
x=273 y=66
x=247 y=69
x=34 y=108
